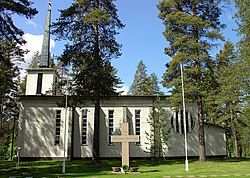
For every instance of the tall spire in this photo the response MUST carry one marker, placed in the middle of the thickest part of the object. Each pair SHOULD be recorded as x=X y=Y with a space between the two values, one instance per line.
x=45 y=54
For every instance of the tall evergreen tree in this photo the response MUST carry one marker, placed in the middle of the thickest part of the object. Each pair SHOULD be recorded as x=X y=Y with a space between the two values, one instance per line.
x=34 y=63
x=244 y=44
x=10 y=54
x=244 y=51
x=160 y=130
x=91 y=27
x=230 y=95
x=8 y=92
x=190 y=28
x=154 y=88
x=140 y=79
x=8 y=30
x=144 y=84
x=244 y=29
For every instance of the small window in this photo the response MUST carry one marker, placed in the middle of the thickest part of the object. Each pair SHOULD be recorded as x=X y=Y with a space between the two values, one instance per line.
x=111 y=124
x=138 y=124
x=177 y=122
x=39 y=83
x=58 y=127
x=84 y=126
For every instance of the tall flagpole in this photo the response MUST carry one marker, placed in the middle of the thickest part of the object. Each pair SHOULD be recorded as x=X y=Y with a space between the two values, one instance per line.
x=65 y=125
x=184 y=119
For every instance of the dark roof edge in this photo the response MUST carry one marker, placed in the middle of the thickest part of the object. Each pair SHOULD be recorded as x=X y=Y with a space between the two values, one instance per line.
x=119 y=96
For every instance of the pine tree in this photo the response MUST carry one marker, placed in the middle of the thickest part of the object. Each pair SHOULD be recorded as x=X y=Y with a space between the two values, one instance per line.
x=8 y=30
x=243 y=24
x=140 y=79
x=154 y=85
x=144 y=84
x=8 y=93
x=10 y=54
x=34 y=63
x=91 y=27
x=160 y=132
x=244 y=52
x=190 y=28
x=230 y=96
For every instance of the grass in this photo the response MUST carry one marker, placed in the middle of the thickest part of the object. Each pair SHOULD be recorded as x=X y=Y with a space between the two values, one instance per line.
x=84 y=168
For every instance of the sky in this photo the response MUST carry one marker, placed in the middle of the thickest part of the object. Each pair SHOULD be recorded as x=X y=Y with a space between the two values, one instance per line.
x=141 y=38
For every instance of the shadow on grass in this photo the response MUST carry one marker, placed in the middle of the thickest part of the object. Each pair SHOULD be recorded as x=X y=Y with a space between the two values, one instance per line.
x=156 y=163
x=53 y=168
x=225 y=159
x=84 y=168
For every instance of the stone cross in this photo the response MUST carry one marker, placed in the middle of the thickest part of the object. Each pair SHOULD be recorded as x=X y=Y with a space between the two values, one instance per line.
x=125 y=139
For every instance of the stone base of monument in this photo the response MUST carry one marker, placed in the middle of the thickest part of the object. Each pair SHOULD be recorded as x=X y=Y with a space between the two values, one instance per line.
x=134 y=169
x=120 y=170
x=116 y=169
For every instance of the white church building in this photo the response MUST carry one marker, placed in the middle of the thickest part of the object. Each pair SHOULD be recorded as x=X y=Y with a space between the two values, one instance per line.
x=43 y=123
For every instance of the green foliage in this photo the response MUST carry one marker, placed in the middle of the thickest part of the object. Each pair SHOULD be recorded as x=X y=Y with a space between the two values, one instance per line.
x=139 y=79
x=187 y=29
x=8 y=30
x=227 y=102
x=96 y=16
x=244 y=52
x=10 y=55
x=191 y=28
x=91 y=27
x=245 y=133
x=144 y=84
x=161 y=130
x=34 y=63
x=22 y=85
x=244 y=26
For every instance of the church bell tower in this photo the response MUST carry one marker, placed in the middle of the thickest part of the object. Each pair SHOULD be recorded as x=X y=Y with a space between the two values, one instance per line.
x=41 y=80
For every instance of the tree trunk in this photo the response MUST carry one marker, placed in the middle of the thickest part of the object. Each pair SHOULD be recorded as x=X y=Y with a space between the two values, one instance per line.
x=228 y=135
x=95 y=156
x=201 y=133
x=236 y=146
x=12 y=139
x=234 y=135
x=97 y=58
x=1 y=127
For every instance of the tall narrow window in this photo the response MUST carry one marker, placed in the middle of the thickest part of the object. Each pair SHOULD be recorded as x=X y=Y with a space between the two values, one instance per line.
x=84 y=126
x=137 y=124
x=39 y=84
x=111 y=124
x=58 y=127
x=177 y=122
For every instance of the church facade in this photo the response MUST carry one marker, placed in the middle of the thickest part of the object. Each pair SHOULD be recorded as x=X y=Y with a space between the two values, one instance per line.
x=42 y=128
x=45 y=126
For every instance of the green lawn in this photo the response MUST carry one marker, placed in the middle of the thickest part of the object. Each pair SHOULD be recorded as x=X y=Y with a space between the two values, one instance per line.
x=174 y=168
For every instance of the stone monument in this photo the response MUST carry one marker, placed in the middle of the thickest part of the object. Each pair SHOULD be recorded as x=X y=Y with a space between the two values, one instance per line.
x=125 y=139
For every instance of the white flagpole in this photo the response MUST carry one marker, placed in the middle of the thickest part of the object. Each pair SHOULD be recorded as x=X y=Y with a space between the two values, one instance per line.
x=184 y=119
x=65 y=125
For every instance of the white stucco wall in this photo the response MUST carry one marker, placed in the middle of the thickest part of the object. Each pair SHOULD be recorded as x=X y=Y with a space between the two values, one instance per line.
x=215 y=140
x=37 y=129
x=31 y=84
x=47 y=81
